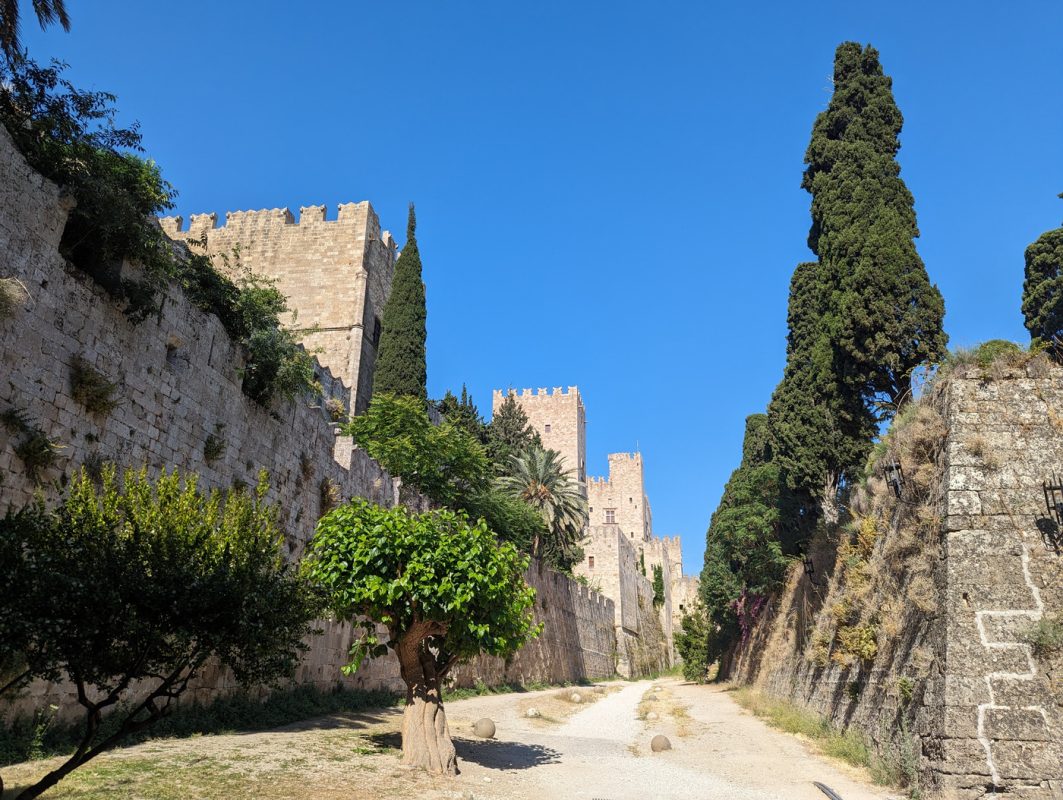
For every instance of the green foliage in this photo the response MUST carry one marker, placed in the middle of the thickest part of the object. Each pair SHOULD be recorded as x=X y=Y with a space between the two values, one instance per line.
x=743 y=555
x=658 y=585
x=512 y=520
x=34 y=448
x=434 y=576
x=337 y=411
x=464 y=414
x=48 y=12
x=91 y=388
x=537 y=477
x=145 y=582
x=884 y=317
x=1046 y=636
x=70 y=137
x=1042 y=291
x=214 y=445
x=509 y=434
x=988 y=352
x=442 y=461
x=401 y=367
x=692 y=643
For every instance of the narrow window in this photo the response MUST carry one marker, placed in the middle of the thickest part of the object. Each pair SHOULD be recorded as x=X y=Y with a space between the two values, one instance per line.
x=546 y=428
x=610 y=516
x=590 y=562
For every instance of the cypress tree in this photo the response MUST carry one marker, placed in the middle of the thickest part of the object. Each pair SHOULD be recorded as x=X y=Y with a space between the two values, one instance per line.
x=1042 y=292
x=401 y=368
x=509 y=432
x=886 y=318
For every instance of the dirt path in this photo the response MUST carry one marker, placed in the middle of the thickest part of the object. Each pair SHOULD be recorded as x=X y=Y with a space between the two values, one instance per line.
x=594 y=749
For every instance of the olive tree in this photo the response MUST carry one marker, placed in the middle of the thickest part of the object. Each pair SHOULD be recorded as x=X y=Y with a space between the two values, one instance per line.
x=443 y=588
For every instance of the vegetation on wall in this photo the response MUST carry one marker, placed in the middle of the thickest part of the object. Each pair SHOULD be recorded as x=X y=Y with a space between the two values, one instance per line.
x=658 y=585
x=383 y=566
x=91 y=388
x=34 y=448
x=12 y=295
x=188 y=577
x=401 y=368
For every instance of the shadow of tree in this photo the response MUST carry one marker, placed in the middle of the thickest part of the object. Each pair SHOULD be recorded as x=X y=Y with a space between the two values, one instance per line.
x=495 y=754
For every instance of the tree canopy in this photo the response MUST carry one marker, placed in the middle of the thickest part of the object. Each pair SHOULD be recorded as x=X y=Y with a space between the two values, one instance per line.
x=510 y=433
x=1042 y=291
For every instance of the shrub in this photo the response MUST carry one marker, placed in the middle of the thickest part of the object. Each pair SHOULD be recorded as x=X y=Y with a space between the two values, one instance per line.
x=34 y=448
x=90 y=387
x=214 y=445
x=692 y=644
x=1046 y=636
x=337 y=411
x=145 y=583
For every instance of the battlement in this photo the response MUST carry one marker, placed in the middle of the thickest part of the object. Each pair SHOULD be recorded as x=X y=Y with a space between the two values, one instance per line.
x=265 y=219
x=498 y=395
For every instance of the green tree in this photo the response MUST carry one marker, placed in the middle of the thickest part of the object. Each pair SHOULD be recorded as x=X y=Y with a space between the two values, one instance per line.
x=444 y=589
x=692 y=643
x=886 y=317
x=442 y=461
x=49 y=12
x=145 y=583
x=510 y=433
x=401 y=368
x=1042 y=291
x=658 y=585
x=537 y=477
x=463 y=413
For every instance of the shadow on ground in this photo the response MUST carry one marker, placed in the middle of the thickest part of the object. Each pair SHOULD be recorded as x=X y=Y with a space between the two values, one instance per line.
x=505 y=755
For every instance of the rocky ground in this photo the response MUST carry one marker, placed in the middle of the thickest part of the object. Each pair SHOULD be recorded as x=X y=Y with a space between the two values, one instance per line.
x=596 y=748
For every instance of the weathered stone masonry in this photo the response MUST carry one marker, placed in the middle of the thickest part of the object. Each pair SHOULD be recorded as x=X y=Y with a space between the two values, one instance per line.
x=178 y=383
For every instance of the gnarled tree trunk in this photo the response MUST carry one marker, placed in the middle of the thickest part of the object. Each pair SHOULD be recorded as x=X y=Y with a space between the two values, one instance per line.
x=426 y=739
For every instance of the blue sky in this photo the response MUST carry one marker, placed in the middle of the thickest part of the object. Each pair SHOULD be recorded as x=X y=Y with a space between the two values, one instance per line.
x=607 y=192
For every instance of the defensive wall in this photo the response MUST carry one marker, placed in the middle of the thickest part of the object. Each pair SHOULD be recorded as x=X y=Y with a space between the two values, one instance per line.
x=957 y=676
x=178 y=387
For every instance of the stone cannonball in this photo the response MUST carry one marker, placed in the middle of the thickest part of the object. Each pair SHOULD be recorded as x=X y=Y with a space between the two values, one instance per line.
x=660 y=743
x=484 y=728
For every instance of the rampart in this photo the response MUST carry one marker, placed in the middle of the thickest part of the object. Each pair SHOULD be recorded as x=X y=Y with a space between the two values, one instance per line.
x=958 y=677
x=178 y=386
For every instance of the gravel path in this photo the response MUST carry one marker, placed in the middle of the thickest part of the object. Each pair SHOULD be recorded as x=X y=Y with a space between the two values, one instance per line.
x=602 y=753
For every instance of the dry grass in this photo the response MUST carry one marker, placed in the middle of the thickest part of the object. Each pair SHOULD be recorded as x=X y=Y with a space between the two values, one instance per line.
x=661 y=701
x=556 y=707
x=12 y=295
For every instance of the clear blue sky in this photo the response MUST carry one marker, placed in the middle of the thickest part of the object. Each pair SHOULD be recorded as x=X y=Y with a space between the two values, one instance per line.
x=607 y=192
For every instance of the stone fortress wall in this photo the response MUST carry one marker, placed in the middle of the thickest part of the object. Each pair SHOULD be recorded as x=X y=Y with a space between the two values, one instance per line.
x=990 y=720
x=620 y=550
x=178 y=383
x=336 y=275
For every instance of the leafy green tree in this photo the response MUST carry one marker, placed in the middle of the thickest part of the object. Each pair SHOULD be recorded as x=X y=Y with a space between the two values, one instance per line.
x=445 y=591
x=538 y=478
x=743 y=553
x=510 y=433
x=401 y=368
x=463 y=413
x=1042 y=292
x=145 y=583
x=692 y=643
x=442 y=461
x=49 y=12
x=885 y=318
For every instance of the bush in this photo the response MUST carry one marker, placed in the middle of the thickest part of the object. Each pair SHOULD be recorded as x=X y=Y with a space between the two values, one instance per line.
x=34 y=448
x=145 y=583
x=91 y=388
x=692 y=644
x=1046 y=636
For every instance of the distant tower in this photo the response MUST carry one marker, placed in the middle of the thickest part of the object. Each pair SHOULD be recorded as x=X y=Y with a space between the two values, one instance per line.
x=336 y=275
x=561 y=421
x=621 y=498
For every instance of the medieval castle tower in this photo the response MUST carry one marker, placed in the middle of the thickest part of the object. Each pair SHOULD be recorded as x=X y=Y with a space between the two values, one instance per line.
x=336 y=275
x=621 y=552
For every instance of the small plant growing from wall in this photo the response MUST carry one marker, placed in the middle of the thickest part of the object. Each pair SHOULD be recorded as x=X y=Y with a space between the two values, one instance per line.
x=337 y=411
x=12 y=295
x=34 y=449
x=90 y=387
x=214 y=446
x=330 y=495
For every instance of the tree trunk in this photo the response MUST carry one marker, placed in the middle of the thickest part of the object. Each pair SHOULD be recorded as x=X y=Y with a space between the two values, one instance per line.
x=426 y=739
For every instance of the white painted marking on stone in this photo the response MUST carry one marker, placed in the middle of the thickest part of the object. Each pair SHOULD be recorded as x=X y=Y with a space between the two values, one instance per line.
x=1033 y=614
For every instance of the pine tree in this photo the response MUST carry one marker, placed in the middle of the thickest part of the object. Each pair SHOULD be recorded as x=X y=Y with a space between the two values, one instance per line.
x=886 y=317
x=1042 y=292
x=464 y=414
x=400 y=366
x=510 y=433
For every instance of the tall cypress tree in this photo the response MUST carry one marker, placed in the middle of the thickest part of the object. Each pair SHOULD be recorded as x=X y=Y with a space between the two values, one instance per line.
x=1042 y=292
x=401 y=368
x=887 y=317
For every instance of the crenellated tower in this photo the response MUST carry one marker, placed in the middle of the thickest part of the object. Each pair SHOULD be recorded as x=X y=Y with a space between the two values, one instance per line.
x=560 y=419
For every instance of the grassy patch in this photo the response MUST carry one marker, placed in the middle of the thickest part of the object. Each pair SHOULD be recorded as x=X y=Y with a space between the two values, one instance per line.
x=1046 y=636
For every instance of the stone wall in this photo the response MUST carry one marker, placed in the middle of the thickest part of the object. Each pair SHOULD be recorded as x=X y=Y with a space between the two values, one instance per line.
x=178 y=383
x=959 y=680
x=336 y=275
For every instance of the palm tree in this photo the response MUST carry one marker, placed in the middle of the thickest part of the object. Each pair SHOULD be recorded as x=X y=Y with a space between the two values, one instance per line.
x=48 y=13
x=538 y=478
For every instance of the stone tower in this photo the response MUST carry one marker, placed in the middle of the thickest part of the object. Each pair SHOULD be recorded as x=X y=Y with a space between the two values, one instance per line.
x=621 y=498
x=336 y=275
x=561 y=421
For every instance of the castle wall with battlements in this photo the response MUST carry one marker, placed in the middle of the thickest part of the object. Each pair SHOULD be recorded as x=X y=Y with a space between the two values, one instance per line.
x=336 y=275
x=621 y=498
x=560 y=419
